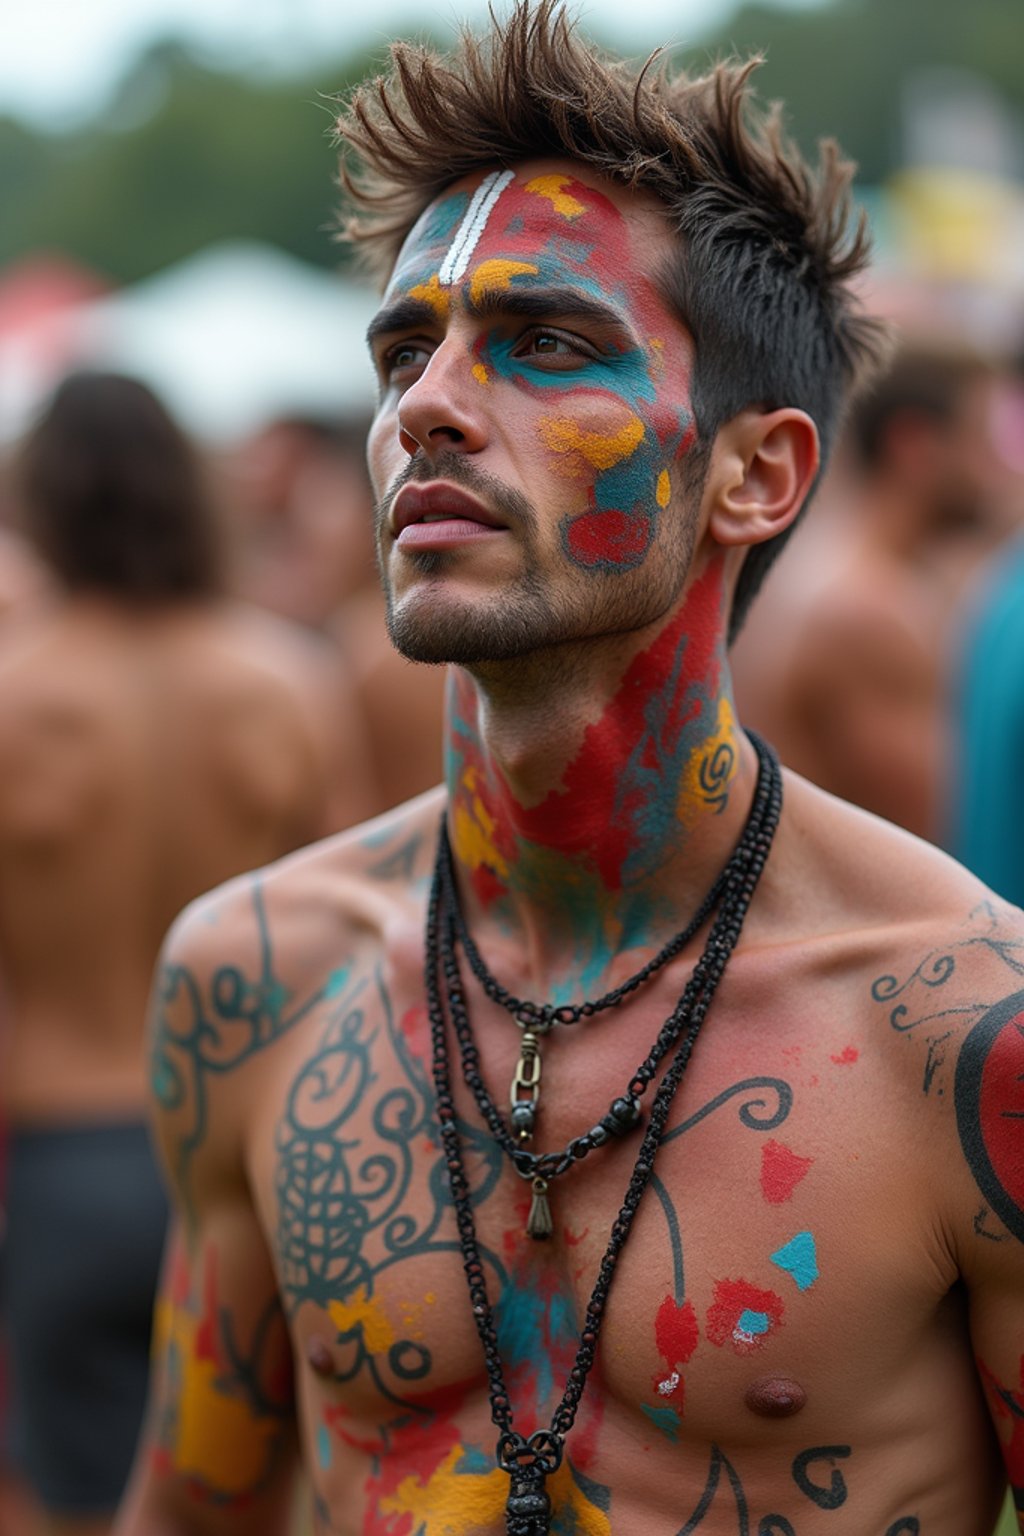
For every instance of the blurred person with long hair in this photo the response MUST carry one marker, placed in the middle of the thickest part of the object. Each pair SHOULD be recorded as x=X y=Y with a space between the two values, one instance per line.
x=155 y=739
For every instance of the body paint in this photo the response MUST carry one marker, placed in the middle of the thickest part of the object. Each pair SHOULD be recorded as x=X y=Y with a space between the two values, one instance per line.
x=742 y=1315
x=781 y=1171
x=799 y=1258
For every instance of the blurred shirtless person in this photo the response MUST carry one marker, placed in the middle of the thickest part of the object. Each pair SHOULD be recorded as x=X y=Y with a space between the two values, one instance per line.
x=303 y=526
x=855 y=691
x=153 y=741
x=730 y=1260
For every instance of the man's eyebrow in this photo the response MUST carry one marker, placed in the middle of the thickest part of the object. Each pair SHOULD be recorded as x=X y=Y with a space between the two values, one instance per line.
x=400 y=316
x=563 y=302
x=545 y=304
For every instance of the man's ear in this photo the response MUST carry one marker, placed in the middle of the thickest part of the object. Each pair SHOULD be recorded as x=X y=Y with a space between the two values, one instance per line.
x=762 y=466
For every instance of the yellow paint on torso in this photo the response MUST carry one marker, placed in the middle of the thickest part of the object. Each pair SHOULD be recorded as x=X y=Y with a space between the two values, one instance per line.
x=603 y=450
x=216 y=1439
x=453 y=1503
x=363 y=1311
x=553 y=188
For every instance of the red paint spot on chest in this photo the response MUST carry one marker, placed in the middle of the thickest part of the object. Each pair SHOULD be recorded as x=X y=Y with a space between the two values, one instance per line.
x=734 y=1298
x=847 y=1056
x=676 y=1332
x=781 y=1171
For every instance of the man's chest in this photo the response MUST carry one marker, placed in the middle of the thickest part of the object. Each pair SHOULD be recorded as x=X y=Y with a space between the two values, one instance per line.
x=783 y=1223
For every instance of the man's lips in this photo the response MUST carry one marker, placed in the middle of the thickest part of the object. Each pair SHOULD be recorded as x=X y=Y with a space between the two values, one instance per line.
x=439 y=514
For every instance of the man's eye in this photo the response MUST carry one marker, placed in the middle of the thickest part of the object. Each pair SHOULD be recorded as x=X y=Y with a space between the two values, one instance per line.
x=402 y=357
x=560 y=346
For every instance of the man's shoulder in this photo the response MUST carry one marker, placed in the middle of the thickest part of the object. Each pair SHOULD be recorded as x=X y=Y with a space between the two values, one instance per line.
x=318 y=901
x=861 y=874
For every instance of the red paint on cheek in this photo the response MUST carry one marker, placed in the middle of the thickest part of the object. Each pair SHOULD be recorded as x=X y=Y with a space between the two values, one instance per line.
x=733 y=1298
x=608 y=537
x=847 y=1056
x=781 y=1171
x=676 y=1332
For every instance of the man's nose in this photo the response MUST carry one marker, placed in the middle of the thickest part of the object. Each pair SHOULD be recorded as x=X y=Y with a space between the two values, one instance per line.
x=447 y=406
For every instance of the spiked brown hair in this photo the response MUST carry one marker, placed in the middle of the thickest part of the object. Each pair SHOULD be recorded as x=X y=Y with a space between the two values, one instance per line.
x=767 y=246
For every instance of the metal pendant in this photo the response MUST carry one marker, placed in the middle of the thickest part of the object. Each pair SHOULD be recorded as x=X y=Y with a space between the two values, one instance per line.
x=539 y=1224
x=528 y=1511
x=528 y=1464
x=524 y=1095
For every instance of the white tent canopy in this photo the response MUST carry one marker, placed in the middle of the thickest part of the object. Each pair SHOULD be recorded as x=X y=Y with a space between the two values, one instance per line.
x=230 y=338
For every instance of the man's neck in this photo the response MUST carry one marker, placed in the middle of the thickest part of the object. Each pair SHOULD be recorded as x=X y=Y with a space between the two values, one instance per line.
x=590 y=813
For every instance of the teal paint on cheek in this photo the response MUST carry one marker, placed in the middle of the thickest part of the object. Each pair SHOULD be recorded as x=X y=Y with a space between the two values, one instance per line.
x=665 y=1419
x=324 y=1452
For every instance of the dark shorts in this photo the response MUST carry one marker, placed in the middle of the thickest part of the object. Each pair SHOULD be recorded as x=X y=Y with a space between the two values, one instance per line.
x=86 y=1218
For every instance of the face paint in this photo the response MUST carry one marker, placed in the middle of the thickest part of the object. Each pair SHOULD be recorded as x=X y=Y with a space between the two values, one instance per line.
x=620 y=416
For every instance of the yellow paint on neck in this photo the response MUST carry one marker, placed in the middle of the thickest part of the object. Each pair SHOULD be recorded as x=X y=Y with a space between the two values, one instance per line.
x=363 y=1311
x=473 y=831
x=495 y=275
x=432 y=293
x=710 y=768
x=553 y=188
x=664 y=490
x=603 y=450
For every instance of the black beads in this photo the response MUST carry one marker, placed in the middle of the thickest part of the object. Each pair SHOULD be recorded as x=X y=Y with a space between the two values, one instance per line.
x=523 y=1117
x=623 y=1116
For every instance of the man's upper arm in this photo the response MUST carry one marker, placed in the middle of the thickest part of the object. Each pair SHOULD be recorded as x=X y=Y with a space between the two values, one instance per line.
x=989 y=1102
x=218 y=1452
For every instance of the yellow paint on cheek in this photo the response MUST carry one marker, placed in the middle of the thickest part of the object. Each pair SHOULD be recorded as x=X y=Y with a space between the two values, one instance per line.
x=473 y=831
x=602 y=450
x=553 y=188
x=495 y=275
x=711 y=766
x=657 y=368
x=480 y=374
x=433 y=294
x=362 y=1311
x=664 y=489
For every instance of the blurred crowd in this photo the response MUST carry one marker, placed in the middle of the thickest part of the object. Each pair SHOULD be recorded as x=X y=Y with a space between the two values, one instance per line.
x=195 y=678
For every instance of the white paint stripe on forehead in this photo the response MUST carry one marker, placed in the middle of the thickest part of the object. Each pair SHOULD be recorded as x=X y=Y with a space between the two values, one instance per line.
x=474 y=222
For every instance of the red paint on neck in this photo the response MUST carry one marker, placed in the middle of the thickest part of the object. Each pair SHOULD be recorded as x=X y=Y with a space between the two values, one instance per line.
x=589 y=818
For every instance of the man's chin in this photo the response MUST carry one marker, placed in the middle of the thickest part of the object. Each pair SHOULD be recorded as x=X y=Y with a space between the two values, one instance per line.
x=467 y=638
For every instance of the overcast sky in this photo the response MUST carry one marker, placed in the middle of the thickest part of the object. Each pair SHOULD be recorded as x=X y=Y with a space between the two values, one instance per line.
x=59 y=59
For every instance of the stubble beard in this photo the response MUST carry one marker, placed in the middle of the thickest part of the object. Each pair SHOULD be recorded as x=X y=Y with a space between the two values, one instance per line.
x=527 y=616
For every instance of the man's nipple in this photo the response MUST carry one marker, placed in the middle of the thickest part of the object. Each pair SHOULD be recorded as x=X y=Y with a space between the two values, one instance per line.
x=775 y=1397
x=318 y=1353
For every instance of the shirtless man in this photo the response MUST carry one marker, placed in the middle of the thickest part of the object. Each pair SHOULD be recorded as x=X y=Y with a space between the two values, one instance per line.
x=600 y=402
x=154 y=740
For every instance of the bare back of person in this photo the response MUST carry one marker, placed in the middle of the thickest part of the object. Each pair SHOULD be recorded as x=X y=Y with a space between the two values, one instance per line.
x=145 y=756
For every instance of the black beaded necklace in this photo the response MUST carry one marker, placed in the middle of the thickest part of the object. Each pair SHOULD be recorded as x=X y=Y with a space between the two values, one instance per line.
x=529 y=1462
